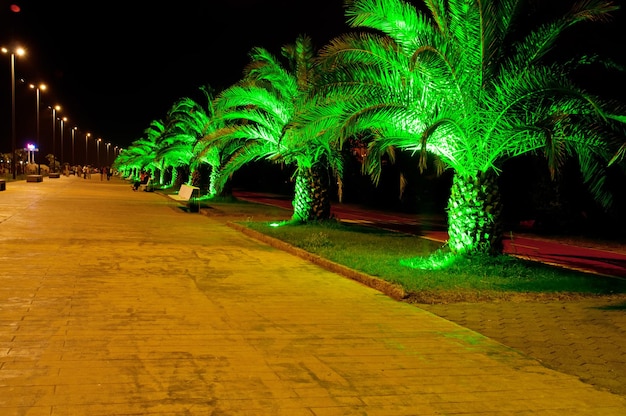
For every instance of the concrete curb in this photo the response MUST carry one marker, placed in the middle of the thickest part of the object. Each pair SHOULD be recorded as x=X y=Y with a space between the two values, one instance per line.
x=393 y=291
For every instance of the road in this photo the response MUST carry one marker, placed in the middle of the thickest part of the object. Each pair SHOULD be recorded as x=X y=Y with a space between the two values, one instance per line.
x=588 y=259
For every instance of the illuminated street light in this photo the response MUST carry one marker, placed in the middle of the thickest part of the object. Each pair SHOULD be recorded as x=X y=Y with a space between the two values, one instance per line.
x=54 y=129
x=86 y=147
x=73 y=143
x=63 y=120
x=98 y=140
x=108 y=157
x=20 y=52
x=38 y=89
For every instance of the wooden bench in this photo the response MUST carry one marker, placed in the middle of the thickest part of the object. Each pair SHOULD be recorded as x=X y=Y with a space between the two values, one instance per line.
x=54 y=175
x=189 y=195
x=34 y=178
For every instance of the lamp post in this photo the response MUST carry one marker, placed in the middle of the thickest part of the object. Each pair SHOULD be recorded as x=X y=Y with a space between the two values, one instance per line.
x=98 y=152
x=63 y=120
x=73 y=139
x=108 y=157
x=38 y=89
x=54 y=129
x=86 y=147
x=18 y=51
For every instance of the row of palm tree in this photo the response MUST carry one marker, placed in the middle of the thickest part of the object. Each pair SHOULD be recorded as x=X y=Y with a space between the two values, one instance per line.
x=458 y=83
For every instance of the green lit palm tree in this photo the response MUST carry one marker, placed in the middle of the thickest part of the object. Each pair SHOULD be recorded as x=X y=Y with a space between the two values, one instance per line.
x=255 y=117
x=456 y=81
x=150 y=144
x=199 y=122
x=170 y=143
x=142 y=153
x=216 y=153
x=185 y=125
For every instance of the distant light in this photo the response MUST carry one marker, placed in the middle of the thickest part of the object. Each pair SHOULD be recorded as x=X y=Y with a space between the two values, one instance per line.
x=15 y=8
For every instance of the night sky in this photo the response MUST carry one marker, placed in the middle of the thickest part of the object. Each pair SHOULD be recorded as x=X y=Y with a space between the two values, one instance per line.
x=114 y=67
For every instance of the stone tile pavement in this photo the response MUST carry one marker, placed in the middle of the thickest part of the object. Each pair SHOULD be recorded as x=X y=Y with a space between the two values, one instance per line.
x=115 y=302
x=582 y=337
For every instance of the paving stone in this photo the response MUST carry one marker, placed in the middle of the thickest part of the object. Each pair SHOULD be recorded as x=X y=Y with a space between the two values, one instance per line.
x=136 y=307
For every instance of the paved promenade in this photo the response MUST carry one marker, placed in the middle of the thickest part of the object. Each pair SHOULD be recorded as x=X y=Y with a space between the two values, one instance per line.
x=114 y=302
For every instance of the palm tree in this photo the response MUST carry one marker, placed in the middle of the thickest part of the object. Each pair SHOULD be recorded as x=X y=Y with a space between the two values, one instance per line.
x=201 y=123
x=458 y=82
x=256 y=118
x=142 y=153
x=169 y=144
x=185 y=124
x=216 y=154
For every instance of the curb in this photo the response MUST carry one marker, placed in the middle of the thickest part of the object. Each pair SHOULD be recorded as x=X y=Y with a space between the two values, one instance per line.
x=393 y=291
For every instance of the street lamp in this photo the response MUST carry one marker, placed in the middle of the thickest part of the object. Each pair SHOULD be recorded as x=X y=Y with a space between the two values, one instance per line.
x=73 y=137
x=38 y=89
x=108 y=157
x=98 y=152
x=54 y=129
x=63 y=120
x=86 y=147
x=20 y=52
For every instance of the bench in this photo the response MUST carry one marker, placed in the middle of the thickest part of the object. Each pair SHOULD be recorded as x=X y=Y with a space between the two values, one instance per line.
x=147 y=187
x=189 y=195
x=3 y=185
x=34 y=178
x=55 y=175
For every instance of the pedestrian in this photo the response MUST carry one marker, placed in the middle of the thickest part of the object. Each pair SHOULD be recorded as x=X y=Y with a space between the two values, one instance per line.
x=144 y=177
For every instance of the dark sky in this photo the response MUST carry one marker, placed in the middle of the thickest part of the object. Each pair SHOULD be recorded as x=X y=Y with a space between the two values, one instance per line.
x=114 y=66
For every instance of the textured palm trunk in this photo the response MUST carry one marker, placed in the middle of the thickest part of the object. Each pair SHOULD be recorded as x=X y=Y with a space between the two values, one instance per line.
x=157 y=176
x=174 y=176
x=474 y=215
x=162 y=170
x=213 y=181
x=219 y=184
x=311 y=201
x=182 y=175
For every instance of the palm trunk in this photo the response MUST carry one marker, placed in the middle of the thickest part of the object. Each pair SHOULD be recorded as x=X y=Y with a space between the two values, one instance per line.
x=196 y=176
x=474 y=215
x=157 y=175
x=162 y=170
x=213 y=181
x=174 y=181
x=219 y=184
x=311 y=201
x=182 y=175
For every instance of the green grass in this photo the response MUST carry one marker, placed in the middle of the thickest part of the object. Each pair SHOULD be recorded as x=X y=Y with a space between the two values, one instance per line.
x=385 y=254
